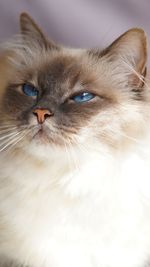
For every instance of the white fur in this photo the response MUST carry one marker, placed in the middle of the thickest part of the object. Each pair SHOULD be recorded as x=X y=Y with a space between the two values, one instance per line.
x=89 y=213
x=86 y=206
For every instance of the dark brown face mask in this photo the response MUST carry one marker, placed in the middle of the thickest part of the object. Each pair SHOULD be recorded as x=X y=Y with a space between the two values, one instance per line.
x=61 y=92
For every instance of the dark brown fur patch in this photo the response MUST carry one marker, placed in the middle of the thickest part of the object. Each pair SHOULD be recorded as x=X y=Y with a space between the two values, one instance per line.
x=58 y=75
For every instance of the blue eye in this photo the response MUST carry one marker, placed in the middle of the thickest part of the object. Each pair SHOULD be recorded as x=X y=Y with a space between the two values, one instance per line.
x=29 y=90
x=83 y=97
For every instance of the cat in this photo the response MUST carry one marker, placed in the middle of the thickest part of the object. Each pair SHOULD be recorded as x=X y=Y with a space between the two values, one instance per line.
x=75 y=152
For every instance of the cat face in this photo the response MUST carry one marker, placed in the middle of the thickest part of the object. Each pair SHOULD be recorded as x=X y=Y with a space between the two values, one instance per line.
x=59 y=96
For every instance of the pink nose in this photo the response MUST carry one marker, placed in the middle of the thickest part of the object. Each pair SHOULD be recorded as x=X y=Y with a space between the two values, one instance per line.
x=42 y=114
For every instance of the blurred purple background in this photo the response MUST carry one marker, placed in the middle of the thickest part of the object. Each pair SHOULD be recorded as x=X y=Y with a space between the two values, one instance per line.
x=78 y=23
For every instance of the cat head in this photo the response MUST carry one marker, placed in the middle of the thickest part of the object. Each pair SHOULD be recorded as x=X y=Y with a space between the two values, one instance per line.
x=56 y=96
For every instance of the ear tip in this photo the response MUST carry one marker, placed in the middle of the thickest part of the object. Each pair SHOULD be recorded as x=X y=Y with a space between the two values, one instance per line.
x=138 y=31
x=24 y=16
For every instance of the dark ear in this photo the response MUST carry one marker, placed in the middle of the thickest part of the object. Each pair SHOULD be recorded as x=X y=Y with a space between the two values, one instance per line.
x=129 y=54
x=32 y=32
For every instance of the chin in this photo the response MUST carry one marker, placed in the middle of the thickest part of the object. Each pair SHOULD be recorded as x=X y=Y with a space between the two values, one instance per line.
x=43 y=148
x=42 y=138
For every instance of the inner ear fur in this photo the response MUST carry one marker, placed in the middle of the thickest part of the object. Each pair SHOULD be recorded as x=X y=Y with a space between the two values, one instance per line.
x=130 y=49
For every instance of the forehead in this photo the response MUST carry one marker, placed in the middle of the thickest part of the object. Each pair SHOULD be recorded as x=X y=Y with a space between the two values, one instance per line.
x=63 y=73
x=61 y=70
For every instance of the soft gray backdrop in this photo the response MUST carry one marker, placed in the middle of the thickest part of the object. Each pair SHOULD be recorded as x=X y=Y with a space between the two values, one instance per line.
x=79 y=23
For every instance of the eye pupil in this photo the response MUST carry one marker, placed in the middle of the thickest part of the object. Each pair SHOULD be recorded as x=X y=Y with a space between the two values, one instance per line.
x=83 y=97
x=29 y=90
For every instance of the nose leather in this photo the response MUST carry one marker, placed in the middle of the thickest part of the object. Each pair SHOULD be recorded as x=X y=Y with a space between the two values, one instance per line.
x=42 y=114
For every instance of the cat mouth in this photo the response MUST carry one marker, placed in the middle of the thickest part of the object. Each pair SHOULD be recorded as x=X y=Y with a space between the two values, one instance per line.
x=41 y=135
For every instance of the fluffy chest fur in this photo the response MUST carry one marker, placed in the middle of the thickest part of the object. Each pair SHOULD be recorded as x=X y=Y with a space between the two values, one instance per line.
x=56 y=222
x=74 y=144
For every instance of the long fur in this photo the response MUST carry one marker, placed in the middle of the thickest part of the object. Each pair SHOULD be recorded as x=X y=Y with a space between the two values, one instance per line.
x=85 y=203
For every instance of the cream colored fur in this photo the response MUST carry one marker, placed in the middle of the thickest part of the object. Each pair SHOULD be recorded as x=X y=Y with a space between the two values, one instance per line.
x=86 y=205
x=57 y=214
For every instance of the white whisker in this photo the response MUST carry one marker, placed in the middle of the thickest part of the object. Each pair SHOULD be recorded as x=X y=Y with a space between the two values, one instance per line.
x=8 y=135
x=8 y=128
x=8 y=141
x=16 y=141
